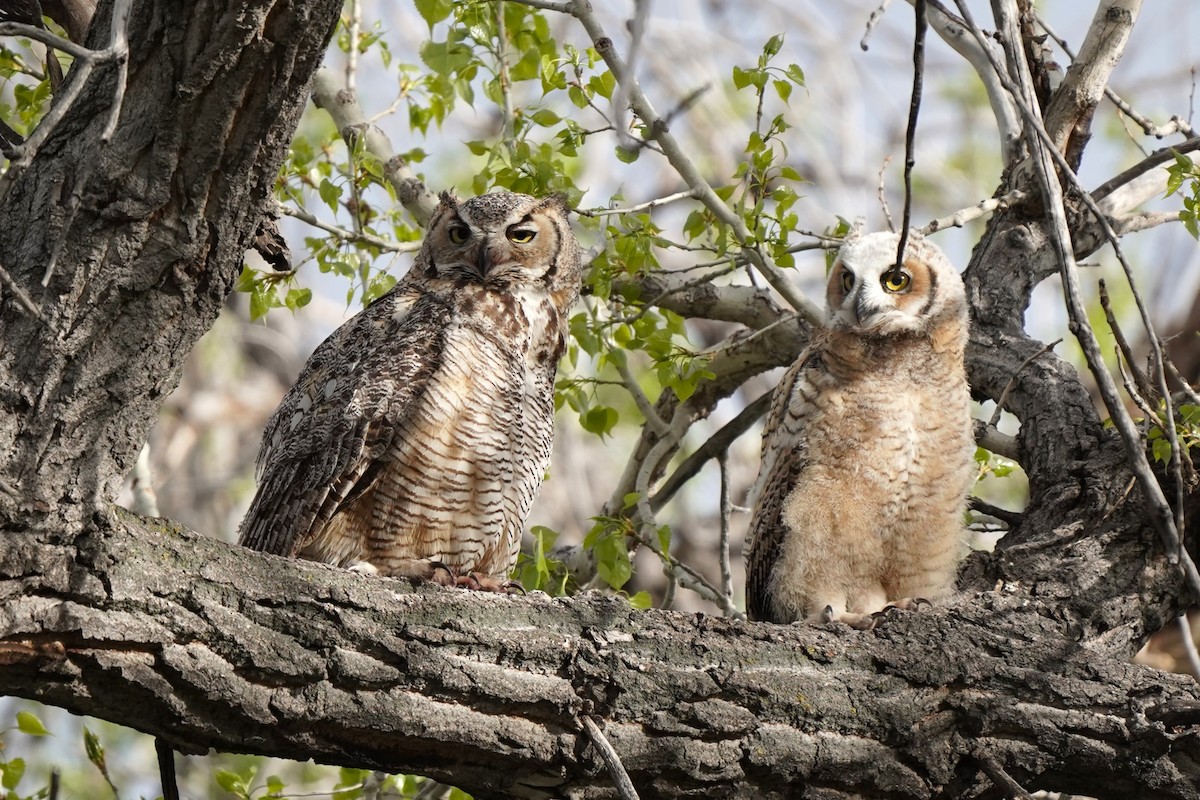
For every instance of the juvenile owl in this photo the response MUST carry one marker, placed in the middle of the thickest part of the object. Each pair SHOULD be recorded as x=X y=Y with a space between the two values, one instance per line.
x=867 y=454
x=417 y=434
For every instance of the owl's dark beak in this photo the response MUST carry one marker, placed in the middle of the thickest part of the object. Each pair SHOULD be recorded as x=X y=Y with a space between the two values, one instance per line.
x=862 y=308
x=483 y=261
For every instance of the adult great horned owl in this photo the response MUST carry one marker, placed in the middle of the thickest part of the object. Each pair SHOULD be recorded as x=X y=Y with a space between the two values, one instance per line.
x=417 y=435
x=867 y=454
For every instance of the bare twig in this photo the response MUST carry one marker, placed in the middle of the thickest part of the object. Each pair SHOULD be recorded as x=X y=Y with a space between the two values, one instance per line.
x=1012 y=381
x=387 y=245
x=1175 y=125
x=978 y=53
x=1163 y=155
x=510 y=115
x=23 y=298
x=995 y=770
x=86 y=62
x=716 y=445
x=991 y=439
x=910 y=131
x=726 y=511
x=1189 y=644
x=963 y=216
x=1139 y=379
x=658 y=201
x=872 y=21
x=353 y=28
x=616 y=769
x=883 y=203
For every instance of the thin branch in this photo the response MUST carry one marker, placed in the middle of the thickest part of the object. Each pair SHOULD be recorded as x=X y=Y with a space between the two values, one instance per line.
x=48 y=38
x=371 y=239
x=910 y=131
x=658 y=201
x=879 y=190
x=1189 y=644
x=616 y=769
x=977 y=51
x=630 y=382
x=961 y=217
x=726 y=512
x=872 y=21
x=714 y=447
x=1139 y=378
x=510 y=114
x=995 y=770
x=1164 y=155
x=354 y=10
x=23 y=298
x=1012 y=380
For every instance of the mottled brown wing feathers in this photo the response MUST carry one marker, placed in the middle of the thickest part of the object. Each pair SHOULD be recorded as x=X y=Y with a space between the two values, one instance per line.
x=782 y=460
x=322 y=446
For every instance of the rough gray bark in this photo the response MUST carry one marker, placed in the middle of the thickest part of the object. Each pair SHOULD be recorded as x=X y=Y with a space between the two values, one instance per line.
x=149 y=233
x=208 y=645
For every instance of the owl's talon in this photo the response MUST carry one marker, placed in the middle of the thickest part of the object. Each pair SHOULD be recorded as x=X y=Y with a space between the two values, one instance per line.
x=363 y=568
x=441 y=574
x=827 y=614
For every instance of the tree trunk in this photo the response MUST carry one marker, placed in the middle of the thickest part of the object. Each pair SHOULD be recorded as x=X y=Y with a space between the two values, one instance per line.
x=148 y=234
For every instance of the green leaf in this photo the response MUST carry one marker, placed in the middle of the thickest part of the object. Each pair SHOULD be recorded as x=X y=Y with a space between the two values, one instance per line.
x=231 y=782
x=612 y=560
x=773 y=44
x=275 y=786
x=28 y=722
x=795 y=74
x=297 y=298
x=434 y=11
x=13 y=771
x=641 y=600
x=93 y=748
x=627 y=154
x=600 y=420
x=630 y=500
x=664 y=538
x=784 y=90
x=545 y=117
x=330 y=194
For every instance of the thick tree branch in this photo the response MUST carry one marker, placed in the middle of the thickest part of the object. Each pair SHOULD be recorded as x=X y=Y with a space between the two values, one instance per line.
x=208 y=645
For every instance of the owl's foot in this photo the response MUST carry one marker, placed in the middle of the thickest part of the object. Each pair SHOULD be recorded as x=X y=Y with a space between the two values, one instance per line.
x=363 y=568
x=903 y=604
x=485 y=583
x=861 y=622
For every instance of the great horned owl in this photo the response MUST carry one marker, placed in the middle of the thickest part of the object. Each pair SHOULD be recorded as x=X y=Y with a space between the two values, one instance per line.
x=417 y=435
x=867 y=454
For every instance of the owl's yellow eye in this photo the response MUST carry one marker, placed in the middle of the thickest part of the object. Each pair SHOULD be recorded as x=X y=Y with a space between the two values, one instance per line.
x=895 y=281
x=458 y=233
x=521 y=235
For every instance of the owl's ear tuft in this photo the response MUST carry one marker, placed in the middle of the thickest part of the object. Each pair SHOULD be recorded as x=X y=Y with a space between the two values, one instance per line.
x=557 y=200
x=449 y=199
